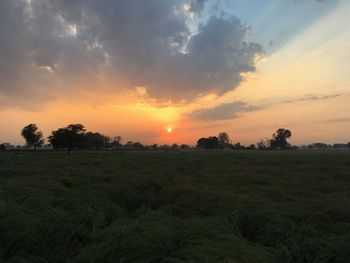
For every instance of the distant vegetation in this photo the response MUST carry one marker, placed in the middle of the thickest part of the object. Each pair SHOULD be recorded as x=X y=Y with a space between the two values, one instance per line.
x=75 y=136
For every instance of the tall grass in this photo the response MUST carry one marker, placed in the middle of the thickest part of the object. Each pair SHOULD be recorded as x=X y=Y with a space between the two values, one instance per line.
x=175 y=207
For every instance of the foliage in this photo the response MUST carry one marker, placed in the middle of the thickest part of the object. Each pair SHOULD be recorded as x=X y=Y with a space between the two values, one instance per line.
x=95 y=141
x=116 y=142
x=4 y=146
x=224 y=138
x=239 y=206
x=279 y=139
x=209 y=143
x=69 y=137
x=263 y=144
x=32 y=136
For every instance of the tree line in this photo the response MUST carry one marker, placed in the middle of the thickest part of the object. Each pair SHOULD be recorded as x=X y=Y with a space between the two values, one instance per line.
x=222 y=141
x=75 y=136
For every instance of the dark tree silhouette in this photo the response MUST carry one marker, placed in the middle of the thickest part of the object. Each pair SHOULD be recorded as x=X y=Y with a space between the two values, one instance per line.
x=95 y=141
x=185 y=147
x=174 y=146
x=201 y=143
x=69 y=137
x=154 y=146
x=263 y=144
x=2 y=147
x=118 y=139
x=251 y=147
x=32 y=136
x=279 y=139
x=224 y=138
x=238 y=146
x=209 y=143
x=116 y=142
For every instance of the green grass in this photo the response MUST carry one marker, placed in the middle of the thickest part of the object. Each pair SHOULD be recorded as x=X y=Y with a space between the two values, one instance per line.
x=244 y=206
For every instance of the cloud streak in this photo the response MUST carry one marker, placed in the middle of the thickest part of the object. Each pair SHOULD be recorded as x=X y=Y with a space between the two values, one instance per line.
x=312 y=97
x=226 y=111
x=235 y=109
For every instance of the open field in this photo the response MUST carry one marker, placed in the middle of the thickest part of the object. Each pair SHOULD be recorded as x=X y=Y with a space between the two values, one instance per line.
x=145 y=207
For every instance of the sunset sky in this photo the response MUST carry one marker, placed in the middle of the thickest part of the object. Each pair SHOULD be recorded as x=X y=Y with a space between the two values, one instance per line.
x=138 y=67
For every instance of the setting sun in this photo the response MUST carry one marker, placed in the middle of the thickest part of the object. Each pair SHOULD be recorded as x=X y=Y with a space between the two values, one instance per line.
x=169 y=130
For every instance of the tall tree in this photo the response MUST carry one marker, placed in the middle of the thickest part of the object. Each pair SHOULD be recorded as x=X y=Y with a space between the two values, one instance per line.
x=118 y=139
x=116 y=142
x=95 y=140
x=279 y=139
x=69 y=137
x=263 y=144
x=212 y=142
x=32 y=136
x=224 y=138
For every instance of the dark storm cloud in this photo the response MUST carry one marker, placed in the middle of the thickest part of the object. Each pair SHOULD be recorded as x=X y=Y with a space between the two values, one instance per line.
x=52 y=48
x=39 y=57
x=224 y=111
x=197 y=6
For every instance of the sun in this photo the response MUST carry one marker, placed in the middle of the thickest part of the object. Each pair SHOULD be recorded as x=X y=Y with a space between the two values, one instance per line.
x=169 y=130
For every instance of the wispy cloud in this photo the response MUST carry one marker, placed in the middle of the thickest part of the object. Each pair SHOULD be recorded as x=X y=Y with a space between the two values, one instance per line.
x=337 y=120
x=235 y=109
x=224 y=111
x=312 y=97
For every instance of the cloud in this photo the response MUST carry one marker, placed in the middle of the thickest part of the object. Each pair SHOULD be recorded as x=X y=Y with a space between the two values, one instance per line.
x=55 y=48
x=337 y=120
x=197 y=6
x=232 y=110
x=312 y=97
x=224 y=111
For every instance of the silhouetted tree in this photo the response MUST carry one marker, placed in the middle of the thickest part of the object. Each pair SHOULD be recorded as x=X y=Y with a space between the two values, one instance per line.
x=116 y=142
x=138 y=146
x=263 y=144
x=69 y=137
x=174 y=146
x=96 y=141
x=3 y=147
x=118 y=139
x=279 y=139
x=224 y=138
x=251 y=147
x=209 y=143
x=319 y=146
x=340 y=146
x=164 y=147
x=32 y=136
x=154 y=146
x=185 y=147
x=201 y=143
x=237 y=146
x=130 y=145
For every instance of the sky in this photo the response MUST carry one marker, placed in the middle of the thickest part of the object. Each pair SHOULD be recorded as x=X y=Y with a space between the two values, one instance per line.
x=136 y=68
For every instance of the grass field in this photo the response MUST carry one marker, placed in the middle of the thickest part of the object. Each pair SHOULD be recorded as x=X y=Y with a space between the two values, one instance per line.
x=244 y=206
